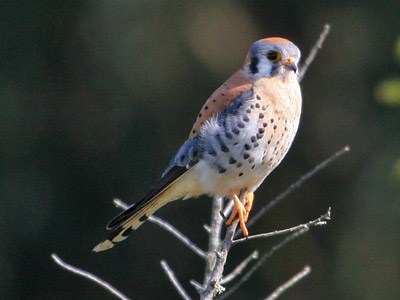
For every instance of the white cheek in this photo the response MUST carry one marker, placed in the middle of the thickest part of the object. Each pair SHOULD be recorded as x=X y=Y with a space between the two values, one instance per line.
x=264 y=67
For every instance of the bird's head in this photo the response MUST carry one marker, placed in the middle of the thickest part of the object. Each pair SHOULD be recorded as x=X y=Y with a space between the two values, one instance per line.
x=271 y=57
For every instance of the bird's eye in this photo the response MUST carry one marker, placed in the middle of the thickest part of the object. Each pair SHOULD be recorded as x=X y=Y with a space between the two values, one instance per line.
x=273 y=56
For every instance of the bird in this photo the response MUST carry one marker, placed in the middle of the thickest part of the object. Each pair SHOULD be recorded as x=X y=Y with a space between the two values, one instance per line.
x=242 y=133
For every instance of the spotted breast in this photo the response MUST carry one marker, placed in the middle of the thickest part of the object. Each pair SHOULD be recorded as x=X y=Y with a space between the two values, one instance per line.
x=245 y=142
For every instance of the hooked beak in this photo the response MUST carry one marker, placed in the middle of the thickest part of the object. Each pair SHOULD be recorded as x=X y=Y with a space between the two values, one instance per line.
x=290 y=64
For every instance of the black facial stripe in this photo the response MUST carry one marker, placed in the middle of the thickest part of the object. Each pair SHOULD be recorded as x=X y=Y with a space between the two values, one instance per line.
x=254 y=65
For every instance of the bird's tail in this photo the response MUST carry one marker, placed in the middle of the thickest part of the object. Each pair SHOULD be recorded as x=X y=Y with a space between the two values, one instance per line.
x=133 y=221
x=165 y=191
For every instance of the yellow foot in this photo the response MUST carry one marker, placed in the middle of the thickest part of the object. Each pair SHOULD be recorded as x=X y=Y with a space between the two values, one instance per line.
x=239 y=211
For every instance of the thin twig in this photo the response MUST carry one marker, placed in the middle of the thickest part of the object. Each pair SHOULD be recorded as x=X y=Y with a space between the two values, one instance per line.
x=288 y=284
x=313 y=53
x=238 y=270
x=174 y=280
x=317 y=222
x=89 y=276
x=259 y=263
x=296 y=185
x=168 y=227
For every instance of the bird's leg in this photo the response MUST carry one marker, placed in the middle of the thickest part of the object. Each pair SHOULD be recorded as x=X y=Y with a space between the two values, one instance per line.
x=234 y=212
x=249 y=204
x=238 y=210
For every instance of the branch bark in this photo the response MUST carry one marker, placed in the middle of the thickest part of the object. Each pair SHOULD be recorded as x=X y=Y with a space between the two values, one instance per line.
x=213 y=286
x=214 y=237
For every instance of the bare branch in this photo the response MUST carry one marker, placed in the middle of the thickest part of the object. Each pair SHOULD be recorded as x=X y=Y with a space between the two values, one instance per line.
x=174 y=280
x=296 y=185
x=288 y=284
x=216 y=225
x=168 y=227
x=214 y=242
x=259 y=263
x=89 y=276
x=317 y=222
x=313 y=53
x=213 y=286
x=238 y=270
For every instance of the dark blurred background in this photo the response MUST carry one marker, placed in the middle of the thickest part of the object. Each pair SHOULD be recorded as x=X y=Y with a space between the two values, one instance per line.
x=96 y=97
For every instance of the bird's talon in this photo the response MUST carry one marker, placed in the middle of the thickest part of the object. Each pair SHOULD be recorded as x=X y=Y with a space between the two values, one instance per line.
x=239 y=211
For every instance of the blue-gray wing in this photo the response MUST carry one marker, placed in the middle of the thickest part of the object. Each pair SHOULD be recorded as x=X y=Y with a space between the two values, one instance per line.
x=191 y=151
x=186 y=157
x=221 y=139
x=233 y=108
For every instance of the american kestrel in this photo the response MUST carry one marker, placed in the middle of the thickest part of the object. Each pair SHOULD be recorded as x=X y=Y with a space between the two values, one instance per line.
x=241 y=134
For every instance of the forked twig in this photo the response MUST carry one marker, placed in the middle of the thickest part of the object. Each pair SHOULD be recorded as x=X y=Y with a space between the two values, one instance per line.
x=317 y=222
x=89 y=276
x=288 y=284
x=174 y=280
x=259 y=263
